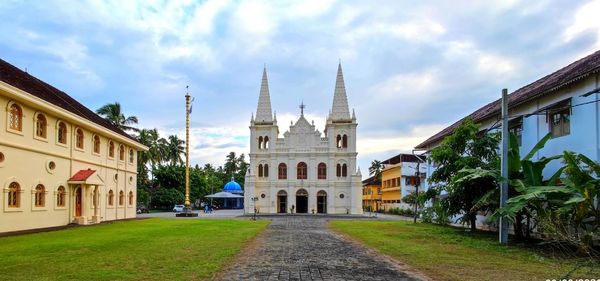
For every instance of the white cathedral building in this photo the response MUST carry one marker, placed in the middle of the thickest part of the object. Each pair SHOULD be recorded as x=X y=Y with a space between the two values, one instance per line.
x=305 y=171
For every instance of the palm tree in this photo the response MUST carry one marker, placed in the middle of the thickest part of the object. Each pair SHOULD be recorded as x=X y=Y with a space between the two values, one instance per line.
x=112 y=113
x=172 y=149
x=376 y=168
x=154 y=154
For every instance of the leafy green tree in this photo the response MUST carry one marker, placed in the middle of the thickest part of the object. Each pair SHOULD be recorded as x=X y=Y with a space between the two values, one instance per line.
x=465 y=148
x=112 y=112
x=165 y=198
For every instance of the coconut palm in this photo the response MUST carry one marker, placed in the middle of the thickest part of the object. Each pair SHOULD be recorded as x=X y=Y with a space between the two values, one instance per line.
x=172 y=149
x=376 y=168
x=112 y=112
x=150 y=139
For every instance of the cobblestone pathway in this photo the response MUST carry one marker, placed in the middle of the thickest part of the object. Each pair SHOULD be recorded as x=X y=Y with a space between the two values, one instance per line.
x=302 y=248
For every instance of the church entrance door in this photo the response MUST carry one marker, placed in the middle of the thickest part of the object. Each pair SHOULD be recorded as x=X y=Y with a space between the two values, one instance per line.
x=282 y=202
x=78 y=201
x=301 y=201
x=322 y=202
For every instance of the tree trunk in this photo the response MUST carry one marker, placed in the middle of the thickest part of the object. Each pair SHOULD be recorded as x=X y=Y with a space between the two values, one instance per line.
x=473 y=222
x=528 y=230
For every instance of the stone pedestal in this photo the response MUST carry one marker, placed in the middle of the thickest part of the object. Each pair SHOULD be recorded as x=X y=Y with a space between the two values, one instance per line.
x=187 y=213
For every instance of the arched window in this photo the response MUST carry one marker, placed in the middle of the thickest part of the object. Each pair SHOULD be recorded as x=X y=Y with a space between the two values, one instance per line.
x=40 y=194
x=111 y=198
x=122 y=153
x=344 y=170
x=266 y=144
x=121 y=198
x=96 y=144
x=111 y=149
x=301 y=171
x=260 y=170
x=266 y=172
x=14 y=195
x=60 y=196
x=282 y=171
x=131 y=155
x=130 y=198
x=260 y=142
x=322 y=171
x=61 y=132
x=345 y=141
x=15 y=117
x=40 y=126
x=79 y=138
x=338 y=141
x=338 y=170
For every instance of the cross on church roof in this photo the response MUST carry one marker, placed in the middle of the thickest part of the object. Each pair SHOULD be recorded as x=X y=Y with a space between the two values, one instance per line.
x=302 y=106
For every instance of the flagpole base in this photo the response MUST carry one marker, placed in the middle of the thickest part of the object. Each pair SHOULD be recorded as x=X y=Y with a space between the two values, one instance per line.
x=187 y=213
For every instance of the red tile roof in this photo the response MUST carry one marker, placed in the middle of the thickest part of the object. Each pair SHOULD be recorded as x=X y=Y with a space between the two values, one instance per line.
x=402 y=157
x=546 y=85
x=82 y=175
x=17 y=78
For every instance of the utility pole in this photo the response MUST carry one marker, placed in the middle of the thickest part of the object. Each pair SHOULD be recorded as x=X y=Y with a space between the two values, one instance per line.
x=418 y=173
x=503 y=233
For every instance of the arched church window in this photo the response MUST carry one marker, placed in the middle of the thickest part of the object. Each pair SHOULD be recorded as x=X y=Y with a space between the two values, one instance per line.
x=96 y=140
x=79 y=138
x=60 y=196
x=282 y=171
x=338 y=141
x=260 y=170
x=345 y=141
x=266 y=170
x=40 y=126
x=14 y=195
x=15 y=117
x=302 y=171
x=338 y=170
x=344 y=170
x=322 y=171
x=266 y=143
x=40 y=196
x=111 y=198
x=62 y=133
x=260 y=142
x=121 y=198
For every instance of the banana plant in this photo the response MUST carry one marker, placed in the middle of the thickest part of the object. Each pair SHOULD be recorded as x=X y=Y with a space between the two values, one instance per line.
x=525 y=176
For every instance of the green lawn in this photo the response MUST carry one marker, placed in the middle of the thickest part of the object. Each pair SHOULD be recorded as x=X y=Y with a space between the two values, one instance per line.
x=151 y=249
x=445 y=253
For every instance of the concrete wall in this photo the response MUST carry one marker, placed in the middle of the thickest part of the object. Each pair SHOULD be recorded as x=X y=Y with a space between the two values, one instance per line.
x=27 y=158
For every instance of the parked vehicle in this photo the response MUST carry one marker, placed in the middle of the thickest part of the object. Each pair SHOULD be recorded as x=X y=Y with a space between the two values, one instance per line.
x=142 y=209
x=178 y=208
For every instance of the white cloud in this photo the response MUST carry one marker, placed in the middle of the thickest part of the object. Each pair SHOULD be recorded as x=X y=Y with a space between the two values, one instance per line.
x=586 y=20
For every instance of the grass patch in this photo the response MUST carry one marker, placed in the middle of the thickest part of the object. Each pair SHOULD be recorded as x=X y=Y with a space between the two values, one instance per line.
x=446 y=253
x=151 y=249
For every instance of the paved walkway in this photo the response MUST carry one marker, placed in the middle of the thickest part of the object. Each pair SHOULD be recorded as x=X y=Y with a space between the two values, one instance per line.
x=303 y=248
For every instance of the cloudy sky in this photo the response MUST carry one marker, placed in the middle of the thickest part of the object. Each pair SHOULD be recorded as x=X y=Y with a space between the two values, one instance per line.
x=411 y=67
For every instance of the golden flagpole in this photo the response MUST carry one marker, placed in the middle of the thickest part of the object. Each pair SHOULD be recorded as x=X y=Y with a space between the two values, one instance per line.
x=187 y=211
x=187 y=149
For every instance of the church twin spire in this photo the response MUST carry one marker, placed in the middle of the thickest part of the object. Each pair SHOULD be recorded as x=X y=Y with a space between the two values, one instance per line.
x=339 y=109
x=264 y=114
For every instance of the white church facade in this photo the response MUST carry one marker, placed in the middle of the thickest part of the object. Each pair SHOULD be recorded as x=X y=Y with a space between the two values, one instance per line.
x=305 y=171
